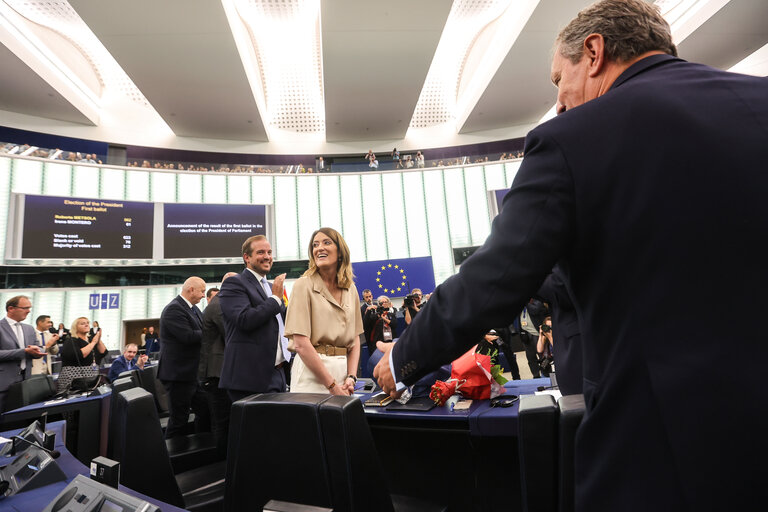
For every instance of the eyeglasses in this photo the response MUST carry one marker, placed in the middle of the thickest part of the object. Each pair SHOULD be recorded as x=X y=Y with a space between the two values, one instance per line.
x=504 y=400
x=27 y=308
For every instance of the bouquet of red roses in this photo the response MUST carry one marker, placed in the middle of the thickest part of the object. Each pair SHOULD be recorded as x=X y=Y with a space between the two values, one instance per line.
x=471 y=375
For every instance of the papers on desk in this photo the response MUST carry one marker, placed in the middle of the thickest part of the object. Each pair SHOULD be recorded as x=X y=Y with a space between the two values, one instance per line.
x=3 y=440
x=55 y=402
x=556 y=394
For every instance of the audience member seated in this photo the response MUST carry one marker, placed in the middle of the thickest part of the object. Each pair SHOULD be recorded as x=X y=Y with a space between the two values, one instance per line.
x=80 y=354
x=127 y=362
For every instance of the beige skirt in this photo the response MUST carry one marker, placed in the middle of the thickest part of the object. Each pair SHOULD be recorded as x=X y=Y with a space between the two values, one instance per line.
x=303 y=380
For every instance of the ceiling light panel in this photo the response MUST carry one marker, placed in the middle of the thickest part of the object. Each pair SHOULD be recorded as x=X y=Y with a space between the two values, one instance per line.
x=55 y=21
x=283 y=60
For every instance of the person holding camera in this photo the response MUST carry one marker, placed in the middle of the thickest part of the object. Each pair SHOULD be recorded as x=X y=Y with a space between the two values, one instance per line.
x=411 y=305
x=380 y=322
x=544 y=347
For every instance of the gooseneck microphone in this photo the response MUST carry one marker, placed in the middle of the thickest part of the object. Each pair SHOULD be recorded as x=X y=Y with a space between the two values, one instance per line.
x=55 y=454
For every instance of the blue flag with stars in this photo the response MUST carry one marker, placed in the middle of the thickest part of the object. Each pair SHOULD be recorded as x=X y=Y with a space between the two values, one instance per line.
x=394 y=277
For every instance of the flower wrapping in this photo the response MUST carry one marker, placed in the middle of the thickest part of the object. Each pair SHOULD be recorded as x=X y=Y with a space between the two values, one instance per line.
x=443 y=390
x=475 y=370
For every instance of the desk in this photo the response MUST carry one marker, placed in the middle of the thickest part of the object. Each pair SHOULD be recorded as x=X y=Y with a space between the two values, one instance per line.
x=90 y=438
x=37 y=499
x=426 y=454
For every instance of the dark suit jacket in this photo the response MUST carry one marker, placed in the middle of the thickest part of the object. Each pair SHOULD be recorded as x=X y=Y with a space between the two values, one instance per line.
x=180 y=350
x=119 y=366
x=653 y=198
x=251 y=333
x=212 y=350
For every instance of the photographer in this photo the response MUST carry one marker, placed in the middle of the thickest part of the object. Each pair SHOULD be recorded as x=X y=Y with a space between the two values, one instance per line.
x=544 y=347
x=411 y=305
x=381 y=322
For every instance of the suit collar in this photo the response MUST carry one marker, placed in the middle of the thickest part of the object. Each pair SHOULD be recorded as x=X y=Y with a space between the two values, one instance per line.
x=5 y=326
x=251 y=277
x=641 y=66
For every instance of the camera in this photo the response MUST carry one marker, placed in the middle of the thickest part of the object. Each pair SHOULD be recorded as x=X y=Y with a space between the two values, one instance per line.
x=381 y=310
x=410 y=300
x=546 y=328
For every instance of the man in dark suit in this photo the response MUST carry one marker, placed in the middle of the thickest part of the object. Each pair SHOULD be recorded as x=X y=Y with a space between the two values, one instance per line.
x=17 y=345
x=209 y=372
x=622 y=190
x=127 y=361
x=182 y=325
x=256 y=355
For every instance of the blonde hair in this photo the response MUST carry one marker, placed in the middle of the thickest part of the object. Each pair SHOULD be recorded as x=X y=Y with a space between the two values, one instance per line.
x=344 y=276
x=73 y=330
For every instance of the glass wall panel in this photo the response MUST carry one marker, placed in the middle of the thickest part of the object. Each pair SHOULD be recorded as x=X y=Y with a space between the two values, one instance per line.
x=439 y=234
x=262 y=191
x=351 y=205
x=479 y=216
x=330 y=201
x=27 y=176
x=510 y=169
x=163 y=187
x=158 y=299
x=49 y=303
x=494 y=177
x=393 y=215
x=134 y=303
x=57 y=180
x=372 y=209
x=76 y=305
x=137 y=185
x=239 y=189
x=285 y=246
x=113 y=183
x=85 y=182
x=416 y=218
x=5 y=194
x=456 y=199
x=309 y=210
x=190 y=188
x=214 y=188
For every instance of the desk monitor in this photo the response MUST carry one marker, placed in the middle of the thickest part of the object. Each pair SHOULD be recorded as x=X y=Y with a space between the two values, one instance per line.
x=84 y=495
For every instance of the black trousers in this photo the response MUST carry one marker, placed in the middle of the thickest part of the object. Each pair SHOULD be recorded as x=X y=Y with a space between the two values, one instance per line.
x=529 y=342
x=219 y=406
x=183 y=396
x=277 y=384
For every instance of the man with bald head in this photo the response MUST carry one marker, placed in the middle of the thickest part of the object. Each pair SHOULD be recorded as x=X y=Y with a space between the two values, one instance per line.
x=209 y=372
x=182 y=326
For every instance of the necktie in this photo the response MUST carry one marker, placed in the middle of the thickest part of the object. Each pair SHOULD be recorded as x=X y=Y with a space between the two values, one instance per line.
x=45 y=357
x=281 y=326
x=20 y=341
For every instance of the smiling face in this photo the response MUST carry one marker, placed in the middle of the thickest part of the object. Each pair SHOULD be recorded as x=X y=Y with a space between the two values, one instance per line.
x=324 y=252
x=83 y=326
x=260 y=259
x=130 y=351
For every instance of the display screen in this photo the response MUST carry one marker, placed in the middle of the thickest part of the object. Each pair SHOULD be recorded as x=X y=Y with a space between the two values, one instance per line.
x=71 y=227
x=210 y=230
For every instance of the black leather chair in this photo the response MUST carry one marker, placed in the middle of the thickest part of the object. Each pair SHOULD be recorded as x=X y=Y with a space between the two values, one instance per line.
x=186 y=452
x=357 y=479
x=537 y=439
x=276 y=452
x=144 y=462
x=131 y=374
x=571 y=409
x=36 y=388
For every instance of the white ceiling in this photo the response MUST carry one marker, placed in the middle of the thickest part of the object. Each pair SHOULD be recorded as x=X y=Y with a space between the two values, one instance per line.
x=376 y=55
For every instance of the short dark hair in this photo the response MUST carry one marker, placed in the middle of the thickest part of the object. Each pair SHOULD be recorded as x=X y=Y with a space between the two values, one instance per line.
x=629 y=28
x=14 y=301
x=41 y=318
x=367 y=290
x=247 y=249
x=210 y=291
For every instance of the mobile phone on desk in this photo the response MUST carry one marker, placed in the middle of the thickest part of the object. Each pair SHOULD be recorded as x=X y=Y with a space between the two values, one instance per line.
x=378 y=400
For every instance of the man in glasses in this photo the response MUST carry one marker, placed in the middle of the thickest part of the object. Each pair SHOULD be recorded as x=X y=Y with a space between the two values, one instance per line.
x=17 y=345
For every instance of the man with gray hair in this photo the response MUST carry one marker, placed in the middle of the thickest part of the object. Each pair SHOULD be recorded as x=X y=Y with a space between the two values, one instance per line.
x=621 y=192
x=182 y=326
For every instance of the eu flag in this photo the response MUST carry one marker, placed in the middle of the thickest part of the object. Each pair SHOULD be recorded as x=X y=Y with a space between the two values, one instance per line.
x=395 y=277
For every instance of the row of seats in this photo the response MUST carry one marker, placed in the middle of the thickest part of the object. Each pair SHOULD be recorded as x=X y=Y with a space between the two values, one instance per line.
x=546 y=437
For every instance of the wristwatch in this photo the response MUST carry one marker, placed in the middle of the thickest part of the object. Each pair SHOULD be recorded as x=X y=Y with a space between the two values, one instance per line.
x=350 y=376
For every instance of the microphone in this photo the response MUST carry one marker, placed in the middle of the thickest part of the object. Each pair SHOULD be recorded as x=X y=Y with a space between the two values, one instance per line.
x=55 y=454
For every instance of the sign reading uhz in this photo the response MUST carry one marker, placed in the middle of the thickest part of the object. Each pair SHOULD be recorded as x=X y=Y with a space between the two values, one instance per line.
x=104 y=301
